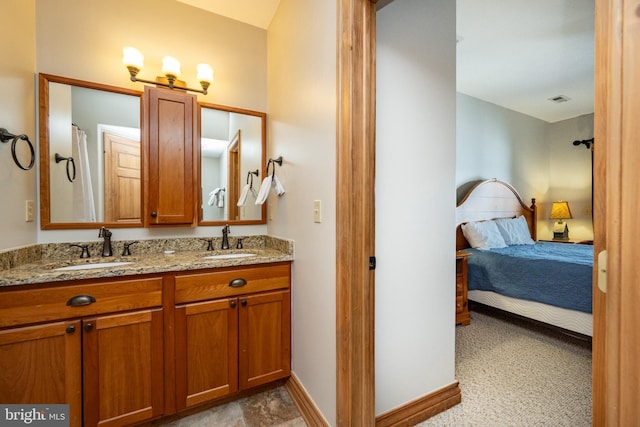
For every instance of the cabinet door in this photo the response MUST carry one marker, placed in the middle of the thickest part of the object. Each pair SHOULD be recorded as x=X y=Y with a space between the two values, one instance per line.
x=206 y=351
x=123 y=368
x=171 y=131
x=41 y=365
x=265 y=338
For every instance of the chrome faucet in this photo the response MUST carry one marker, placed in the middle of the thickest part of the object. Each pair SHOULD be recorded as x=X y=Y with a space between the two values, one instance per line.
x=225 y=237
x=106 y=245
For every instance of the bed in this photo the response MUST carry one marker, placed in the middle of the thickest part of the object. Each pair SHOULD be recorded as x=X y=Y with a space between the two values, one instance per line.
x=510 y=270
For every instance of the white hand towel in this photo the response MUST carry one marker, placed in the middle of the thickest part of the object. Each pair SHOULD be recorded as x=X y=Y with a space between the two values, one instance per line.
x=220 y=200
x=277 y=187
x=213 y=196
x=264 y=191
x=243 y=195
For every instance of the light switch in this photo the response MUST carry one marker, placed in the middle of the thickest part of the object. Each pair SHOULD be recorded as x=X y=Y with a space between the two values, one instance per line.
x=317 y=211
x=28 y=211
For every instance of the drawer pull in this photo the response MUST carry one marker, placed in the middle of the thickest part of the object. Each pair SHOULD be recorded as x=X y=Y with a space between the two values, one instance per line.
x=71 y=329
x=80 y=300
x=237 y=283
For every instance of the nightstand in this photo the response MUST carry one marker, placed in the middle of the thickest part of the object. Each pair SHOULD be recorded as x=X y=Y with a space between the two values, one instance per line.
x=462 y=304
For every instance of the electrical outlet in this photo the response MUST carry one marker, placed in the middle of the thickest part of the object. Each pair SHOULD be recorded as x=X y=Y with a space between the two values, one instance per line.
x=317 y=211
x=28 y=211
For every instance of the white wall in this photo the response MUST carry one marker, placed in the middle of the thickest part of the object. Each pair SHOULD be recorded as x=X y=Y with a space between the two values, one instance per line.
x=84 y=40
x=494 y=142
x=415 y=200
x=17 y=115
x=536 y=157
x=302 y=128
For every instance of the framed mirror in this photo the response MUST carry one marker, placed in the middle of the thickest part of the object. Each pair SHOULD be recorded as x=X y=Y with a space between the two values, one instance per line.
x=232 y=165
x=90 y=154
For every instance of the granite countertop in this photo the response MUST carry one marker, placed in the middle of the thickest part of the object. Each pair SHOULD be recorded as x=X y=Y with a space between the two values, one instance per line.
x=147 y=261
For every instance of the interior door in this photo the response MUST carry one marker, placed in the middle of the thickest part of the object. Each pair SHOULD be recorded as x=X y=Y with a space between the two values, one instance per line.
x=122 y=179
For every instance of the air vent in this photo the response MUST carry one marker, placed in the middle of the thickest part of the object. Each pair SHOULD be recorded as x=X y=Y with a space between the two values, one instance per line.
x=559 y=98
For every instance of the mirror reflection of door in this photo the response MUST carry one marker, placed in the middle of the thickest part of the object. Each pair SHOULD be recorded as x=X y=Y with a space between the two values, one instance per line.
x=233 y=178
x=122 y=179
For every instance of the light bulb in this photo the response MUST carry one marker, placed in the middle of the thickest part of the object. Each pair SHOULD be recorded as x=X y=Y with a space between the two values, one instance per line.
x=131 y=57
x=205 y=73
x=170 y=66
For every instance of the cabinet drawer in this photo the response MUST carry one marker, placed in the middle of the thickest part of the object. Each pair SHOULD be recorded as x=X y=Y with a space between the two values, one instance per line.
x=218 y=284
x=47 y=304
x=459 y=286
x=461 y=304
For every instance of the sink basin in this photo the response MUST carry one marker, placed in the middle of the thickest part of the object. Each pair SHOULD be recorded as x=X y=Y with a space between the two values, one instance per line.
x=228 y=256
x=93 y=265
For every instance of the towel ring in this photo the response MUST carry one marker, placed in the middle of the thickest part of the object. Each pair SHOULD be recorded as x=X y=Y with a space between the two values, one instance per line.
x=250 y=175
x=278 y=161
x=60 y=158
x=5 y=136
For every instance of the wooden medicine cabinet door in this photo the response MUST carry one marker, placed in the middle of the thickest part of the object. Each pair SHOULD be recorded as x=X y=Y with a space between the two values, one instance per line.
x=170 y=132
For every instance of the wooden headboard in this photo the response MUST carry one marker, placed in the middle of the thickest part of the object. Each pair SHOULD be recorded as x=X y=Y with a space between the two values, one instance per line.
x=492 y=199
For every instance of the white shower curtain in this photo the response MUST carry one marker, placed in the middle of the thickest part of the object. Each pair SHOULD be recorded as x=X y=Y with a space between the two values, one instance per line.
x=83 y=204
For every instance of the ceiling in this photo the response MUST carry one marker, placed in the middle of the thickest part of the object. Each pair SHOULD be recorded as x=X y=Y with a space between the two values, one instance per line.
x=519 y=53
x=514 y=53
x=253 y=12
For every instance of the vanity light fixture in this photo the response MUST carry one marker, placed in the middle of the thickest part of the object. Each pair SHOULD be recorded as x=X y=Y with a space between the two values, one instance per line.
x=133 y=60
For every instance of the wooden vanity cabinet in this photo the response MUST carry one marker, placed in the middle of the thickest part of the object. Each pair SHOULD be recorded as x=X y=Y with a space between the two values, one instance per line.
x=229 y=338
x=43 y=364
x=104 y=358
x=170 y=132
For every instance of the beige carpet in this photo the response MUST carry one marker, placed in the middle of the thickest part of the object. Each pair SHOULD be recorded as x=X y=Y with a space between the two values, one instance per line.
x=513 y=375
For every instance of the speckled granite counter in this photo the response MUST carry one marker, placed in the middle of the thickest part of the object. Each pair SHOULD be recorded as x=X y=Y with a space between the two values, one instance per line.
x=38 y=263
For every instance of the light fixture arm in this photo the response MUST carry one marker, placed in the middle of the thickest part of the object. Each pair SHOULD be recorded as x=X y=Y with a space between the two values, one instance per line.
x=133 y=71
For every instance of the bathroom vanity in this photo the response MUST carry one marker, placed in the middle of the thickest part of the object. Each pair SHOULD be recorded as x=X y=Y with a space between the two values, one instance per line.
x=147 y=338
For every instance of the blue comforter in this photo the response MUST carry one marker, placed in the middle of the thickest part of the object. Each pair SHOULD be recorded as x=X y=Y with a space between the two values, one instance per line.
x=557 y=274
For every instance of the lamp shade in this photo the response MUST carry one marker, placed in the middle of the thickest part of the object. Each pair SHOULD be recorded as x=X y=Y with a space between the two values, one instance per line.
x=205 y=73
x=170 y=66
x=131 y=57
x=560 y=210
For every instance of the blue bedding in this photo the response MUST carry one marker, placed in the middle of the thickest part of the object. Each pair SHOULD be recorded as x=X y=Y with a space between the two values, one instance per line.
x=557 y=274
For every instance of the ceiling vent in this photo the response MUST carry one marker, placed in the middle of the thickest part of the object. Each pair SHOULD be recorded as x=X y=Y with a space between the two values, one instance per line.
x=559 y=98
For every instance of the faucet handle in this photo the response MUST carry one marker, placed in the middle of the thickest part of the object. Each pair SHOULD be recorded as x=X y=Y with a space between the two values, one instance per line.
x=209 y=244
x=85 y=250
x=125 y=249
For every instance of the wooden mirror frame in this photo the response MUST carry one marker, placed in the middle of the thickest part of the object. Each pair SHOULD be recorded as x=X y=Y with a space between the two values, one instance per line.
x=263 y=162
x=43 y=123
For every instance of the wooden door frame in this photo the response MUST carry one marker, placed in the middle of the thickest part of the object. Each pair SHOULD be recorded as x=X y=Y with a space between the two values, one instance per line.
x=355 y=212
x=616 y=337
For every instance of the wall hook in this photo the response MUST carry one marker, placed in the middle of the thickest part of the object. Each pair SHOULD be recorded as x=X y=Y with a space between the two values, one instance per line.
x=5 y=136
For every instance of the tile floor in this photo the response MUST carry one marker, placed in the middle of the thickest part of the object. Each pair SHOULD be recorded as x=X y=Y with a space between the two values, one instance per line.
x=272 y=407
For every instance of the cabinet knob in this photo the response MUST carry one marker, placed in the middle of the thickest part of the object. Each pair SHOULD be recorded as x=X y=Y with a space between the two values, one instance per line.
x=88 y=327
x=233 y=304
x=71 y=329
x=154 y=214
x=80 y=300
x=244 y=302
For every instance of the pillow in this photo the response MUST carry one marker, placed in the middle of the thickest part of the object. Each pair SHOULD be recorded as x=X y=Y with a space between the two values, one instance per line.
x=483 y=235
x=515 y=231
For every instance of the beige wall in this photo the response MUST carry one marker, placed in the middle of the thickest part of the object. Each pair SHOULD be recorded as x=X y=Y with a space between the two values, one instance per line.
x=302 y=128
x=84 y=40
x=17 y=113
